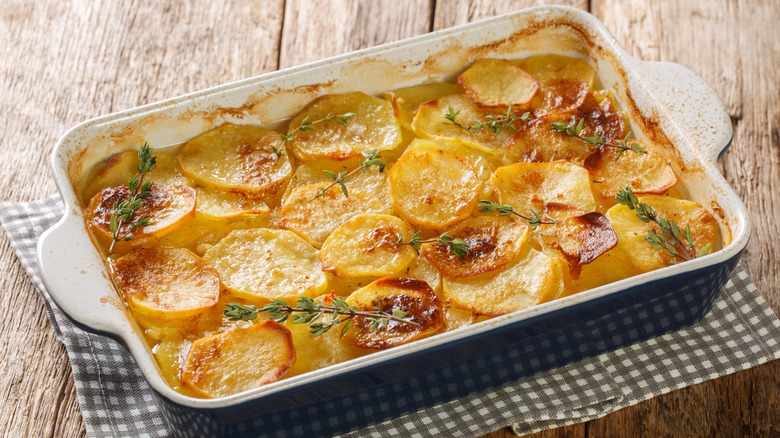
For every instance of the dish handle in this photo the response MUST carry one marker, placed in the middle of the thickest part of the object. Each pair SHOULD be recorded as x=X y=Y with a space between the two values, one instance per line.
x=74 y=276
x=691 y=105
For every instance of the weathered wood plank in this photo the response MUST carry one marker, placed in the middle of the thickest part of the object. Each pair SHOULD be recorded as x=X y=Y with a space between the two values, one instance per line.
x=450 y=13
x=65 y=62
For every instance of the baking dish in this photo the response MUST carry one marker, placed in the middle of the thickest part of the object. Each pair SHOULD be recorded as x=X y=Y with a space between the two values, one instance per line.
x=668 y=105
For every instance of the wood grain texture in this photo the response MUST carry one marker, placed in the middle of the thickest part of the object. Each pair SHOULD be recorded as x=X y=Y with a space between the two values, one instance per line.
x=64 y=62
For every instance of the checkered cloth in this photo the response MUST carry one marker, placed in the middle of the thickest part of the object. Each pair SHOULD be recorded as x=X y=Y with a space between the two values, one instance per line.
x=739 y=333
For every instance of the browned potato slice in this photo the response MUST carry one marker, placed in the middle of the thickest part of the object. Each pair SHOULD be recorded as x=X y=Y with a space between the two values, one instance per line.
x=366 y=246
x=166 y=207
x=415 y=297
x=118 y=169
x=167 y=282
x=237 y=158
x=496 y=84
x=262 y=264
x=373 y=126
x=484 y=163
x=433 y=189
x=239 y=360
x=580 y=239
x=537 y=142
x=631 y=232
x=602 y=116
x=218 y=204
x=558 y=188
x=315 y=218
x=531 y=279
x=564 y=82
x=406 y=101
x=644 y=173
x=431 y=122
x=493 y=241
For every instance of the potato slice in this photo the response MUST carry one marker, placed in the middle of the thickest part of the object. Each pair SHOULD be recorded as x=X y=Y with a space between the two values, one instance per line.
x=415 y=297
x=218 y=204
x=580 y=239
x=537 y=142
x=564 y=82
x=262 y=264
x=612 y=266
x=118 y=169
x=203 y=232
x=496 y=84
x=366 y=246
x=493 y=241
x=631 y=232
x=406 y=101
x=484 y=163
x=644 y=173
x=558 y=188
x=531 y=279
x=431 y=123
x=239 y=360
x=166 y=207
x=373 y=126
x=433 y=189
x=314 y=218
x=167 y=282
x=420 y=269
x=237 y=158
x=602 y=116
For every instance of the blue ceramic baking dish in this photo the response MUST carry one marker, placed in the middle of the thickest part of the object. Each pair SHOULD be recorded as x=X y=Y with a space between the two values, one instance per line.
x=668 y=105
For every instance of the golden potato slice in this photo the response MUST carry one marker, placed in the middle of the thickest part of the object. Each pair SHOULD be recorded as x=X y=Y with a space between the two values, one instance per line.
x=564 y=82
x=237 y=158
x=118 y=169
x=496 y=84
x=372 y=126
x=484 y=163
x=366 y=246
x=166 y=207
x=168 y=353
x=537 y=142
x=602 y=115
x=406 y=101
x=431 y=122
x=420 y=269
x=433 y=189
x=415 y=297
x=167 y=282
x=644 y=173
x=203 y=232
x=239 y=360
x=631 y=231
x=558 y=188
x=493 y=241
x=218 y=204
x=531 y=279
x=612 y=266
x=314 y=217
x=580 y=239
x=262 y=264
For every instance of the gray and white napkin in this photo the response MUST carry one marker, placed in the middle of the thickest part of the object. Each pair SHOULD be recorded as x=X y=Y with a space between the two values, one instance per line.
x=739 y=333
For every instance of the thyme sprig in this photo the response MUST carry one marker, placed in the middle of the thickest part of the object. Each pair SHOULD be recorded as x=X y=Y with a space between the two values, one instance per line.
x=534 y=220
x=574 y=128
x=459 y=247
x=495 y=122
x=310 y=311
x=372 y=159
x=679 y=243
x=307 y=125
x=124 y=211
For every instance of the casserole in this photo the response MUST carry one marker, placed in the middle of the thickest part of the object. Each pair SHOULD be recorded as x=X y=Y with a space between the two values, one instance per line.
x=514 y=345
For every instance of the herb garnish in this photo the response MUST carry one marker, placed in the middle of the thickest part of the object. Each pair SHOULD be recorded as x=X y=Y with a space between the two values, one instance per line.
x=534 y=220
x=124 y=211
x=495 y=123
x=341 y=178
x=459 y=247
x=574 y=128
x=678 y=242
x=309 y=310
x=306 y=125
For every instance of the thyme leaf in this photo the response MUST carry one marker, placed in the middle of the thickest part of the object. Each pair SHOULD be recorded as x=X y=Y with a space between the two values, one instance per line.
x=124 y=211
x=534 y=220
x=459 y=247
x=574 y=128
x=372 y=159
x=494 y=122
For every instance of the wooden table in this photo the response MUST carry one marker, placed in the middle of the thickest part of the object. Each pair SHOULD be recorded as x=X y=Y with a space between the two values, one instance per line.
x=62 y=62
